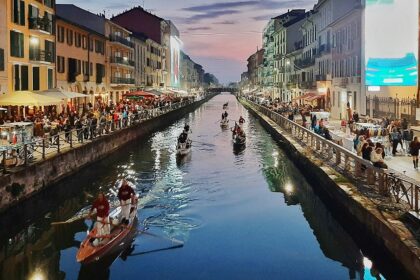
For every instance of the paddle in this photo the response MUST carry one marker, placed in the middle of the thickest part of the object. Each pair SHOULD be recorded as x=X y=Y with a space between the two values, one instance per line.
x=158 y=250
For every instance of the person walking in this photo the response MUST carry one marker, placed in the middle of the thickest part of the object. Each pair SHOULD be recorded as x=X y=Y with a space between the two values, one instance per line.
x=414 y=151
x=395 y=138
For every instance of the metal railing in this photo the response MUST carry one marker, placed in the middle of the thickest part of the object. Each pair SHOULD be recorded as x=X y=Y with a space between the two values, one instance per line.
x=56 y=141
x=386 y=183
x=121 y=40
x=122 y=60
x=120 y=80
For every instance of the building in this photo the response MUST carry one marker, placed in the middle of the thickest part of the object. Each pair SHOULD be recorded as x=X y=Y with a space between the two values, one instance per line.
x=120 y=55
x=80 y=60
x=346 y=49
x=287 y=39
x=3 y=48
x=118 y=50
x=30 y=55
x=255 y=61
x=268 y=64
x=159 y=34
x=189 y=76
x=140 y=59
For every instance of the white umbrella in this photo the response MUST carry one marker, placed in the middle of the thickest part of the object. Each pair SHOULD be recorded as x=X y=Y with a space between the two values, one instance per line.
x=27 y=98
x=61 y=94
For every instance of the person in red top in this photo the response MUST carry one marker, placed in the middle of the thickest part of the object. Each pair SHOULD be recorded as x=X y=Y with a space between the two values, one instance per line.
x=101 y=205
x=126 y=196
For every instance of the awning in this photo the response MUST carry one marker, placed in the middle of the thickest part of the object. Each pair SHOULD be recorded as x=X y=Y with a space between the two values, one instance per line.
x=27 y=98
x=139 y=94
x=61 y=94
x=313 y=98
x=305 y=96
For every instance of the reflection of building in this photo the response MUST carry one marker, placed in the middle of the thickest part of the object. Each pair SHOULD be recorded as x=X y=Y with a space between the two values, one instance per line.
x=80 y=58
x=3 y=47
x=31 y=44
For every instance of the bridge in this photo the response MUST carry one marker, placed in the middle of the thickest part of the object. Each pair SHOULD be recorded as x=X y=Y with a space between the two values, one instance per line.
x=223 y=89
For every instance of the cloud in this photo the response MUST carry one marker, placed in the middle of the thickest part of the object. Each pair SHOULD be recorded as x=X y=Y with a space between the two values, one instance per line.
x=219 y=6
x=262 y=17
x=226 y=22
x=211 y=14
x=199 y=28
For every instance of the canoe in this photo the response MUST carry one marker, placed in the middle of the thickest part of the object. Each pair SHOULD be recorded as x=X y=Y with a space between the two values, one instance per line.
x=116 y=241
x=183 y=149
x=224 y=123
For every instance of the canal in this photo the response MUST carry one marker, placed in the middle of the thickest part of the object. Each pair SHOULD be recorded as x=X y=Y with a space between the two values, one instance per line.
x=241 y=214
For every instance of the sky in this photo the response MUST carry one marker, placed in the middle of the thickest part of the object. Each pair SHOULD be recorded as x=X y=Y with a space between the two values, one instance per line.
x=220 y=35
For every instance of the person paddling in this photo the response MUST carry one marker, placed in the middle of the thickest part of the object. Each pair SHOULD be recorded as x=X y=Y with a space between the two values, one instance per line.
x=101 y=205
x=126 y=195
x=241 y=120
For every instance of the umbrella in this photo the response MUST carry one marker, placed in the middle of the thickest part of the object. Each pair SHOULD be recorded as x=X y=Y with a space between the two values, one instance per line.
x=61 y=94
x=27 y=98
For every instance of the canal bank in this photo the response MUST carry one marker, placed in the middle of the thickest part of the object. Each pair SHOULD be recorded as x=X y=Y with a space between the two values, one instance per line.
x=22 y=183
x=381 y=227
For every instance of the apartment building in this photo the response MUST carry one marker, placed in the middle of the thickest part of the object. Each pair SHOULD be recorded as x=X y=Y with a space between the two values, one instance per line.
x=154 y=77
x=140 y=59
x=3 y=48
x=30 y=55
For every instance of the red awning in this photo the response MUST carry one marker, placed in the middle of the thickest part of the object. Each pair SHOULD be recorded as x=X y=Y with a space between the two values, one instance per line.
x=315 y=97
x=140 y=93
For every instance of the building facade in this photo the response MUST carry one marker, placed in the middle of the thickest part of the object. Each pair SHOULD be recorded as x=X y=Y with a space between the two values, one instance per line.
x=81 y=60
x=30 y=54
x=140 y=55
x=3 y=48
x=154 y=77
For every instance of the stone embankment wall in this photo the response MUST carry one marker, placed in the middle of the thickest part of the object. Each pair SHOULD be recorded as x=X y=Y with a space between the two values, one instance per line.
x=38 y=176
x=381 y=229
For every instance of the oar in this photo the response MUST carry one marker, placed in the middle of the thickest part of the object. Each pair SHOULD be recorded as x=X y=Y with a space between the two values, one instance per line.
x=158 y=250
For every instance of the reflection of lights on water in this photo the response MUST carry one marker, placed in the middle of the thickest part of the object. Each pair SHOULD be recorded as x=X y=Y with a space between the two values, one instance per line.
x=276 y=162
x=275 y=153
x=37 y=275
x=289 y=187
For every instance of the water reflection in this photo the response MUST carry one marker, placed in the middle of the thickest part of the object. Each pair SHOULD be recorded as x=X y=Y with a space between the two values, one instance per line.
x=212 y=199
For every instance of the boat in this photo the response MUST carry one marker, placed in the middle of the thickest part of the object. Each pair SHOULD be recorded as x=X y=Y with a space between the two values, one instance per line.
x=121 y=234
x=225 y=106
x=239 y=140
x=184 y=144
x=224 y=123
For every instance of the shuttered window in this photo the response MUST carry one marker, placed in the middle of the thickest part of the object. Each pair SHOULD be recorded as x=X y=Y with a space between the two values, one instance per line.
x=35 y=78
x=24 y=77
x=18 y=12
x=1 y=60
x=16 y=44
x=50 y=78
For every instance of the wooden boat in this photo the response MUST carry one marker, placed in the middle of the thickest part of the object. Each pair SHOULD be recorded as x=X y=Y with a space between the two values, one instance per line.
x=115 y=242
x=224 y=123
x=239 y=140
x=225 y=106
x=183 y=149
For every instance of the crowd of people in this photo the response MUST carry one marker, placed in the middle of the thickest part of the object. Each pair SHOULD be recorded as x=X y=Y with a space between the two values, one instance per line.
x=394 y=133
x=92 y=121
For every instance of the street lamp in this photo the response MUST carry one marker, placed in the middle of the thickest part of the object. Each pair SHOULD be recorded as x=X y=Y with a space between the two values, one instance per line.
x=34 y=41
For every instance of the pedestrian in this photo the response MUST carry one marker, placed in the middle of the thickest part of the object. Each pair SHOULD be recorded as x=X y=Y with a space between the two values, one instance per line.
x=414 y=151
x=377 y=158
x=395 y=139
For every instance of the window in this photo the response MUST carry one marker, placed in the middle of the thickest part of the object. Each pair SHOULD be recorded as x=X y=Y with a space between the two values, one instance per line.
x=49 y=3
x=69 y=37
x=60 y=35
x=18 y=9
x=61 y=67
x=49 y=51
x=50 y=78
x=91 y=69
x=20 y=75
x=48 y=21
x=91 y=45
x=84 y=42
x=85 y=68
x=16 y=44
x=79 y=67
x=99 y=47
x=77 y=39
x=35 y=78
x=1 y=60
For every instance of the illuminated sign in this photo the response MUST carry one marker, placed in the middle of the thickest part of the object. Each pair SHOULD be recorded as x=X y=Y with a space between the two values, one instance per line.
x=391 y=36
x=175 y=61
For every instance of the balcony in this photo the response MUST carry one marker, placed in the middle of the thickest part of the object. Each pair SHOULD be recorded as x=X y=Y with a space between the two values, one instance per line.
x=324 y=49
x=41 y=56
x=124 y=81
x=122 y=61
x=320 y=78
x=40 y=24
x=305 y=62
x=121 y=40
x=308 y=85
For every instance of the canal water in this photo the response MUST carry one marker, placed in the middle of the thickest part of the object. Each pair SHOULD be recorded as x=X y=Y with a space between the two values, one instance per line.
x=246 y=214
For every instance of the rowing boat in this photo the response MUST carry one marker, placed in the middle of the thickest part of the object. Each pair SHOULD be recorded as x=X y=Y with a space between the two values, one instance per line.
x=183 y=149
x=120 y=235
x=224 y=123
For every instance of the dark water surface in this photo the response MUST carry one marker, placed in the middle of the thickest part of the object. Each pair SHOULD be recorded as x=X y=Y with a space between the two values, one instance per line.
x=241 y=214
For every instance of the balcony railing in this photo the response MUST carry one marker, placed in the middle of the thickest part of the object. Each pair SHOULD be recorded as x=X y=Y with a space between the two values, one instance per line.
x=125 y=81
x=41 y=56
x=43 y=24
x=305 y=62
x=122 y=60
x=121 y=40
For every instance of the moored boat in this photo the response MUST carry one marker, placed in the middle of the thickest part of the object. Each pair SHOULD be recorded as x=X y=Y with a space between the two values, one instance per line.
x=94 y=247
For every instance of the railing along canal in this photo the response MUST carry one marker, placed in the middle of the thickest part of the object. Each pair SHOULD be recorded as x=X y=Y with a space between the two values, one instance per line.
x=387 y=183
x=51 y=144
